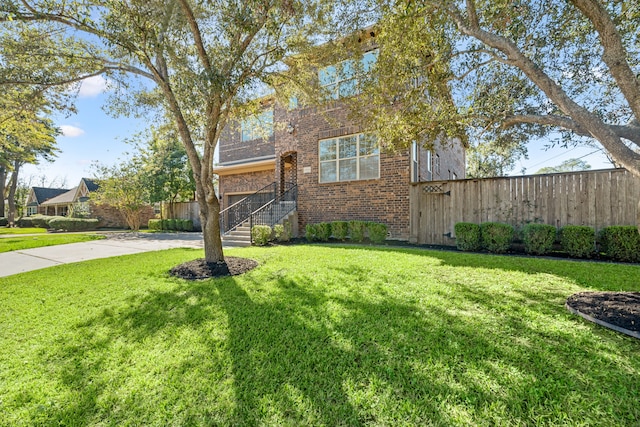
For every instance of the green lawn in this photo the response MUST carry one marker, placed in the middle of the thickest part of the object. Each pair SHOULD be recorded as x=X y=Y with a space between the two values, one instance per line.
x=315 y=336
x=31 y=230
x=28 y=242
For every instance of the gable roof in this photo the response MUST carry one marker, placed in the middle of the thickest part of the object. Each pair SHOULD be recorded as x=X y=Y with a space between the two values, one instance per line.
x=64 y=198
x=91 y=184
x=43 y=194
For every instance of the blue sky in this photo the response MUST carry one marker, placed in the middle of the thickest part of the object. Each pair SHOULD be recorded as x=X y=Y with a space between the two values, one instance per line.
x=92 y=135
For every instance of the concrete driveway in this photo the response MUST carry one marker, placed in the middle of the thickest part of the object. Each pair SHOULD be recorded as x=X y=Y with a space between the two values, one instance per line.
x=115 y=244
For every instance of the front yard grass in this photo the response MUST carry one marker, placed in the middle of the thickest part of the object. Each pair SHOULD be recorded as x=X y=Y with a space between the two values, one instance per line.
x=17 y=243
x=315 y=335
x=16 y=230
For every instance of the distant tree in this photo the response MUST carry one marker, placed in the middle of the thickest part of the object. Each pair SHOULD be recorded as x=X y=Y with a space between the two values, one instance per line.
x=122 y=186
x=487 y=159
x=164 y=166
x=570 y=165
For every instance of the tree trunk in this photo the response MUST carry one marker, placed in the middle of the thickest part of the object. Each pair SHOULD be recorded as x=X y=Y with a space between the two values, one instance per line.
x=13 y=185
x=3 y=179
x=210 y=219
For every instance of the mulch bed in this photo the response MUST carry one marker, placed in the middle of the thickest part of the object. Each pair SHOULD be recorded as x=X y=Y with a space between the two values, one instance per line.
x=620 y=309
x=200 y=269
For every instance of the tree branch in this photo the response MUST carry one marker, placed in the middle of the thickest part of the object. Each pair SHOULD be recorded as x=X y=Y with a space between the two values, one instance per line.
x=615 y=55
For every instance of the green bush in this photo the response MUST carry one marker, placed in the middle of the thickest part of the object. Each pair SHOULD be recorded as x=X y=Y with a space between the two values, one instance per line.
x=340 y=230
x=42 y=221
x=578 y=240
x=538 y=238
x=496 y=236
x=155 y=224
x=282 y=232
x=4 y=221
x=73 y=224
x=356 y=230
x=323 y=231
x=311 y=232
x=171 y=224
x=621 y=243
x=261 y=234
x=377 y=232
x=186 y=225
x=25 y=222
x=468 y=236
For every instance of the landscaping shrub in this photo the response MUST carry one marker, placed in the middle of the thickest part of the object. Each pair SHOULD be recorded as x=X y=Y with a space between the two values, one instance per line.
x=186 y=225
x=496 y=236
x=578 y=240
x=282 y=232
x=73 y=224
x=4 y=221
x=468 y=236
x=171 y=224
x=42 y=221
x=261 y=234
x=621 y=243
x=356 y=231
x=377 y=232
x=311 y=232
x=25 y=222
x=155 y=224
x=538 y=238
x=340 y=229
x=323 y=231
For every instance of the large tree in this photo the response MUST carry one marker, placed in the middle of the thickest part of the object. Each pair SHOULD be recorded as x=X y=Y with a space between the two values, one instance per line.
x=204 y=60
x=510 y=71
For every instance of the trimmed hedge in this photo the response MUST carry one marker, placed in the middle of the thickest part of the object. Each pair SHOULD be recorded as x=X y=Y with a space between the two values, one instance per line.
x=323 y=231
x=4 y=221
x=25 y=222
x=496 y=237
x=311 y=232
x=340 y=229
x=357 y=230
x=538 y=238
x=73 y=224
x=578 y=240
x=261 y=234
x=377 y=232
x=468 y=236
x=154 y=224
x=621 y=243
x=282 y=232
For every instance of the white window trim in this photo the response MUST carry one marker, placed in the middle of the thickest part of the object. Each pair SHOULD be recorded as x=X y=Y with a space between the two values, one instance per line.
x=333 y=88
x=256 y=127
x=336 y=161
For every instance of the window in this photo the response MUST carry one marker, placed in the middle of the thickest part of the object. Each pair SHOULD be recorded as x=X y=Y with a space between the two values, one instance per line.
x=32 y=210
x=257 y=127
x=436 y=165
x=349 y=158
x=340 y=80
x=415 y=166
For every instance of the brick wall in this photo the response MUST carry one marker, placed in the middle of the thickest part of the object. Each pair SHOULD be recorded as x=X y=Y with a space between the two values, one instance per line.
x=233 y=149
x=245 y=183
x=110 y=217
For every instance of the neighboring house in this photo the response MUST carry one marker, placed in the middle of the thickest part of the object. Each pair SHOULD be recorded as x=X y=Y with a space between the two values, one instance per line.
x=62 y=202
x=39 y=195
x=339 y=171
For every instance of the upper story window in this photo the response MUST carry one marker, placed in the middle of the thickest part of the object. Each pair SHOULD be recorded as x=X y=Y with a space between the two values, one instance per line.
x=341 y=80
x=349 y=158
x=257 y=127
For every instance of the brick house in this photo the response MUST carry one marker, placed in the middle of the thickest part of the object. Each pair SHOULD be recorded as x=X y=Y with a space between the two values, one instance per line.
x=338 y=170
x=61 y=202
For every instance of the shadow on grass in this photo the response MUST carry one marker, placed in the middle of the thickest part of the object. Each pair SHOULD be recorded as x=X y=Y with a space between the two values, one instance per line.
x=271 y=349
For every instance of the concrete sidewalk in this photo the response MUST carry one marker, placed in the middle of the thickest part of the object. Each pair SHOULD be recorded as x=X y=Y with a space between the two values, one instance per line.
x=114 y=245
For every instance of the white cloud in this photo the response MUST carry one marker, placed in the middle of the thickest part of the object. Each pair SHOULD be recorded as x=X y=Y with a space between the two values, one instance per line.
x=71 y=131
x=93 y=86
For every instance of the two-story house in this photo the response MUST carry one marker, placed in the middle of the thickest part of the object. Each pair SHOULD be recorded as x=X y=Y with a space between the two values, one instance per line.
x=338 y=170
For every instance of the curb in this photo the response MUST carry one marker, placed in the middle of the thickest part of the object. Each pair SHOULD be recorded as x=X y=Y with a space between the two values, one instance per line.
x=633 y=334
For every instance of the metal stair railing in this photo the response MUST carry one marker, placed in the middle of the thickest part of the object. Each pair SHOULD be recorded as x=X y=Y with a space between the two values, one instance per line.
x=239 y=212
x=281 y=206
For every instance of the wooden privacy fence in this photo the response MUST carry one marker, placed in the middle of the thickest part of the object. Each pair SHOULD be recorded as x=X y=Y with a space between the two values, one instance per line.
x=594 y=198
x=183 y=210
